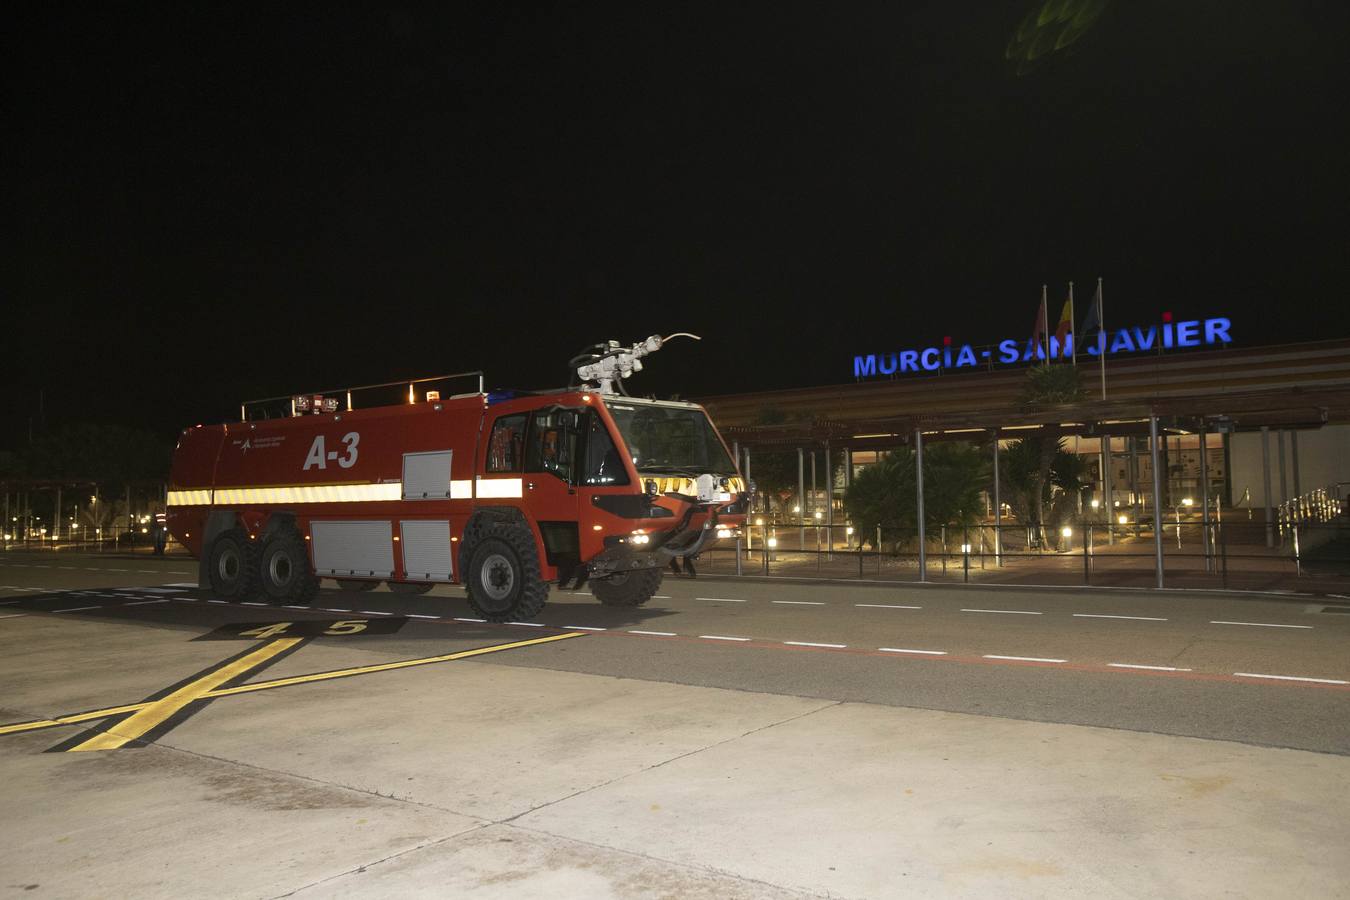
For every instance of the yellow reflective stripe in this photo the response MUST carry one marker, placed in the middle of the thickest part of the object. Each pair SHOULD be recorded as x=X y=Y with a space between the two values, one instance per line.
x=189 y=498
x=319 y=493
x=499 y=488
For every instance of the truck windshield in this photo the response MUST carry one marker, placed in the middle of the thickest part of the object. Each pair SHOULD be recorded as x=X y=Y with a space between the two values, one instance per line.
x=673 y=440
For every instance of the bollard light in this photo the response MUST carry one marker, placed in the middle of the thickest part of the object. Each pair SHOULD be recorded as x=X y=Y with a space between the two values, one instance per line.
x=1124 y=520
x=849 y=531
x=796 y=510
x=1066 y=531
x=1096 y=503
x=773 y=542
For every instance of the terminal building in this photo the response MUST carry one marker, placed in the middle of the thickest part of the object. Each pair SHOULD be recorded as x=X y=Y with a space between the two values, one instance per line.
x=1273 y=421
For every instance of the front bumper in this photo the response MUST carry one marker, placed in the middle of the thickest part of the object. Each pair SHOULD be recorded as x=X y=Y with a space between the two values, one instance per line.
x=686 y=539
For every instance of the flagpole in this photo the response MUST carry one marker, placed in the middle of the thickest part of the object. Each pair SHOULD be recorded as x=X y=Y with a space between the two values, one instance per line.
x=1073 y=329
x=1045 y=323
x=1101 y=346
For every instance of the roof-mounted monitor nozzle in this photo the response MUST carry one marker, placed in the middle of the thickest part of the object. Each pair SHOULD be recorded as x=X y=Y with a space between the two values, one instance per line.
x=604 y=366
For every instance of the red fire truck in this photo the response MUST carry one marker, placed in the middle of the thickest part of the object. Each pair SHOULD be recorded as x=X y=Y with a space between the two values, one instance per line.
x=503 y=492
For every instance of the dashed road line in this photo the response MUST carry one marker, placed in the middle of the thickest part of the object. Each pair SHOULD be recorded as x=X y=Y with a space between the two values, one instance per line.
x=420 y=616
x=654 y=633
x=584 y=628
x=14 y=616
x=1149 y=668
x=462 y=619
x=798 y=602
x=886 y=606
x=76 y=609
x=1259 y=624
x=1024 y=658
x=250 y=603
x=721 y=637
x=374 y=612
x=1291 y=678
x=908 y=650
x=147 y=602
x=720 y=599
x=1006 y=612
x=1132 y=618
x=813 y=644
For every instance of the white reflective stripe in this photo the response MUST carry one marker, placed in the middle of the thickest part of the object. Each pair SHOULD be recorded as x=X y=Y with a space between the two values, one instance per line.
x=319 y=493
x=461 y=490
x=498 y=488
x=189 y=498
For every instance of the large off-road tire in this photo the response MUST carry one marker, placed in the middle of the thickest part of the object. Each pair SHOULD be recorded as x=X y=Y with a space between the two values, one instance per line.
x=502 y=577
x=410 y=587
x=232 y=565
x=627 y=588
x=357 y=584
x=284 y=569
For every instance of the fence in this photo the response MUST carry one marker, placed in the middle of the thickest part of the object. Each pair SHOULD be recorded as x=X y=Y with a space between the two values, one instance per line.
x=1306 y=546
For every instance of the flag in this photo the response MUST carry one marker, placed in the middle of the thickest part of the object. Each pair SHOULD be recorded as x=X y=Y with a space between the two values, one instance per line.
x=1093 y=320
x=1038 y=331
x=1065 y=322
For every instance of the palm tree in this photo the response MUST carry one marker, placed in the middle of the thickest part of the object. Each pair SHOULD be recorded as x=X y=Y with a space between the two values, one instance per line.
x=1047 y=386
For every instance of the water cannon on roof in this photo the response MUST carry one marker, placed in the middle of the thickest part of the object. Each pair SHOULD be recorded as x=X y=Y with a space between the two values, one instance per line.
x=603 y=367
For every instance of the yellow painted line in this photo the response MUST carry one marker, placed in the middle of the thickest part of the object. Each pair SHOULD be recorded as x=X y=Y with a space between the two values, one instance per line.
x=157 y=711
x=386 y=667
x=76 y=718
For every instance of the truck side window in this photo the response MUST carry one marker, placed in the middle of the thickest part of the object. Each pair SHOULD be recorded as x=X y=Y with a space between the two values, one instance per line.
x=507 y=443
x=552 y=443
x=603 y=463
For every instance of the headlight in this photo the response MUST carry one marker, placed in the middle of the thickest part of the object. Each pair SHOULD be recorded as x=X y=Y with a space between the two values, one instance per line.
x=638 y=537
x=724 y=533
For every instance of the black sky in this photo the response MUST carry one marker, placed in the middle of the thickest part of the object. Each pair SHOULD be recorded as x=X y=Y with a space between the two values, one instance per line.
x=212 y=204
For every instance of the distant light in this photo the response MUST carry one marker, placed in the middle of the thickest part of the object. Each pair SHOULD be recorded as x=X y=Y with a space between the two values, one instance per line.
x=1095 y=503
x=819 y=514
x=773 y=542
x=1187 y=502
x=759 y=521
x=796 y=509
x=965 y=548
x=1066 y=531
x=848 y=530
x=1124 y=520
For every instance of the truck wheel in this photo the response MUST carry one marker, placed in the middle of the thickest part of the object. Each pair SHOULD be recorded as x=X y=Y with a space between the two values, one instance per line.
x=357 y=584
x=627 y=588
x=410 y=587
x=232 y=565
x=286 y=574
x=502 y=578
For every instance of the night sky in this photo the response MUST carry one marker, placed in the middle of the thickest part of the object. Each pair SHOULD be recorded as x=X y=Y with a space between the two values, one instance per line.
x=214 y=204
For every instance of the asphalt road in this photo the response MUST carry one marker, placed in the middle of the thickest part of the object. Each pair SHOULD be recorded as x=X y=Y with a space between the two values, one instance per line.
x=1263 y=671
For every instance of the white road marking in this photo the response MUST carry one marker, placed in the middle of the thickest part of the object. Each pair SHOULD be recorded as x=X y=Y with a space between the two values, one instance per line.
x=656 y=633
x=1024 y=658
x=660 y=596
x=1259 y=624
x=7 y=602
x=811 y=644
x=328 y=609
x=250 y=603
x=145 y=602
x=904 y=650
x=1007 y=612
x=14 y=616
x=75 y=609
x=885 y=606
x=215 y=601
x=420 y=616
x=1134 y=618
x=374 y=612
x=1292 y=678
x=528 y=624
x=584 y=628
x=719 y=599
x=288 y=606
x=1150 y=668
x=460 y=619
x=161 y=590
x=719 y=637
x=799 y=602
x=183 y=584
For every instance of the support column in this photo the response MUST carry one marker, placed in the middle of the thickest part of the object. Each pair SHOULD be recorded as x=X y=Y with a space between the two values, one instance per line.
x=918 y=474
x=1134 y=482
x=829 y=503
x=998 y=509
x=56 y=516
x=1284 y=484
x=1293 y=455
x=1204 y=496
x=801 y=499
x=1265 y=480
x=813 y=482
x=1157 y=500
x=1108 y=491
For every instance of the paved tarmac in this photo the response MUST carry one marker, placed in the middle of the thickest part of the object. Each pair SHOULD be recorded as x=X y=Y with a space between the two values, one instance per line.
x=732 y=738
